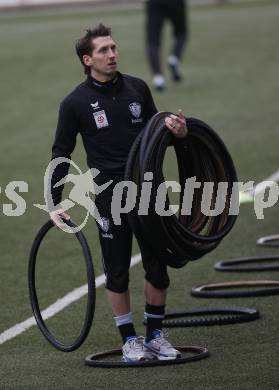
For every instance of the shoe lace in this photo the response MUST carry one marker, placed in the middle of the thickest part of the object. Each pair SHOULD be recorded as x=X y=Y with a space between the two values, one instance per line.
x=135 y=343
x=162 y=339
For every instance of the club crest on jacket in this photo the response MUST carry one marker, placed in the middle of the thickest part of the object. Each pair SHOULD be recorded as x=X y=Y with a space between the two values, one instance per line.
x=135 y=109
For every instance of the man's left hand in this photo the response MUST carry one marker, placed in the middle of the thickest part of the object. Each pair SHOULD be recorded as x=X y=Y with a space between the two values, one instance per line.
x=177 y=124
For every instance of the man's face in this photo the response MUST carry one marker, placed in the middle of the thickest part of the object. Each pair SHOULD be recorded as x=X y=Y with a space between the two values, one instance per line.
x=103 y=60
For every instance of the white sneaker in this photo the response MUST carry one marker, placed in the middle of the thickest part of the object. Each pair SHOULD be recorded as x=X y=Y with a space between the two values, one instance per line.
x=133 y=350
x=174 y=65
x=161 y=347
x=159 y=82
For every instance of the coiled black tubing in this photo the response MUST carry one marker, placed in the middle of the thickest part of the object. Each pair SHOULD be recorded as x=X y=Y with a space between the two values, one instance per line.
x=176 y=239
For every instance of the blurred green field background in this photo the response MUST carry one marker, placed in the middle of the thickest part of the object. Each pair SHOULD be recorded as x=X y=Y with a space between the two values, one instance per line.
x=231 y=82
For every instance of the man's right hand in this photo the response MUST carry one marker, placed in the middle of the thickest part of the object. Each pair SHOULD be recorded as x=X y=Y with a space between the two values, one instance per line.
x=56 y=216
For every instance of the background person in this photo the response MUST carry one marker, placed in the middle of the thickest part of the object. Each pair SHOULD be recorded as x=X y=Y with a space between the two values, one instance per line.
x=109 y=109
x=157 y=12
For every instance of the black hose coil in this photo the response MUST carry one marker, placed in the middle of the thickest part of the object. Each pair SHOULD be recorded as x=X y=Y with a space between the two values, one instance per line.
x=204 y=316
x=91 y=296
x=178 y=239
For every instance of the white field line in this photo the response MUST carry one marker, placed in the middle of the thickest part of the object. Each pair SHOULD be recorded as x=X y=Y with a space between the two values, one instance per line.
x=57 y=306
x=263 y=185
x=79 y=292
x=249 y=195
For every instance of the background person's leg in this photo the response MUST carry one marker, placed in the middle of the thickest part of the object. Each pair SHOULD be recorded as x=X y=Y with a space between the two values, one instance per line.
x=153 y=28
x=179 y=19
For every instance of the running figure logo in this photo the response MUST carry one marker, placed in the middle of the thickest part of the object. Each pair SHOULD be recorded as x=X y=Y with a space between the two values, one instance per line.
x=84 y=185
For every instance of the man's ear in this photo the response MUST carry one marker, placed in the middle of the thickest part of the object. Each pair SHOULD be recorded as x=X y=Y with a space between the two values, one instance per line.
x=87 y=60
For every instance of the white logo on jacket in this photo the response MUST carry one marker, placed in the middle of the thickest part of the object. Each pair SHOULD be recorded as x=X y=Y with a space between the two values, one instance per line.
x=135 y=109
x=105 y=228
x=95 y=106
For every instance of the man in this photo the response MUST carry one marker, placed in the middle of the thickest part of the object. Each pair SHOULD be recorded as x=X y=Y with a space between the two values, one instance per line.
x=157 y=11
x=109 y=109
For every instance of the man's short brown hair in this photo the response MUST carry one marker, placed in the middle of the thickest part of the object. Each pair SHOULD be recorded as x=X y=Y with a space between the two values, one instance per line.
x=84 y=45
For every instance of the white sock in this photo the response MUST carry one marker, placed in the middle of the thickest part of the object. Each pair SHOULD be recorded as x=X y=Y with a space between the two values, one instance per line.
x=124 y=319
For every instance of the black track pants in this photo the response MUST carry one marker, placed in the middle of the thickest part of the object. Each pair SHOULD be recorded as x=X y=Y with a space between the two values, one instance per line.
x=157 y=11
x=116 y=244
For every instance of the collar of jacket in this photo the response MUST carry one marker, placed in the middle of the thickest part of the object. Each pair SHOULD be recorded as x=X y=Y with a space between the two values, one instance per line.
x=107 y=86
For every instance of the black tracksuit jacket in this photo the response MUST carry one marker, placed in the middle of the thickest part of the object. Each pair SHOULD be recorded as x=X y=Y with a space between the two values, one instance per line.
x=108 y=116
